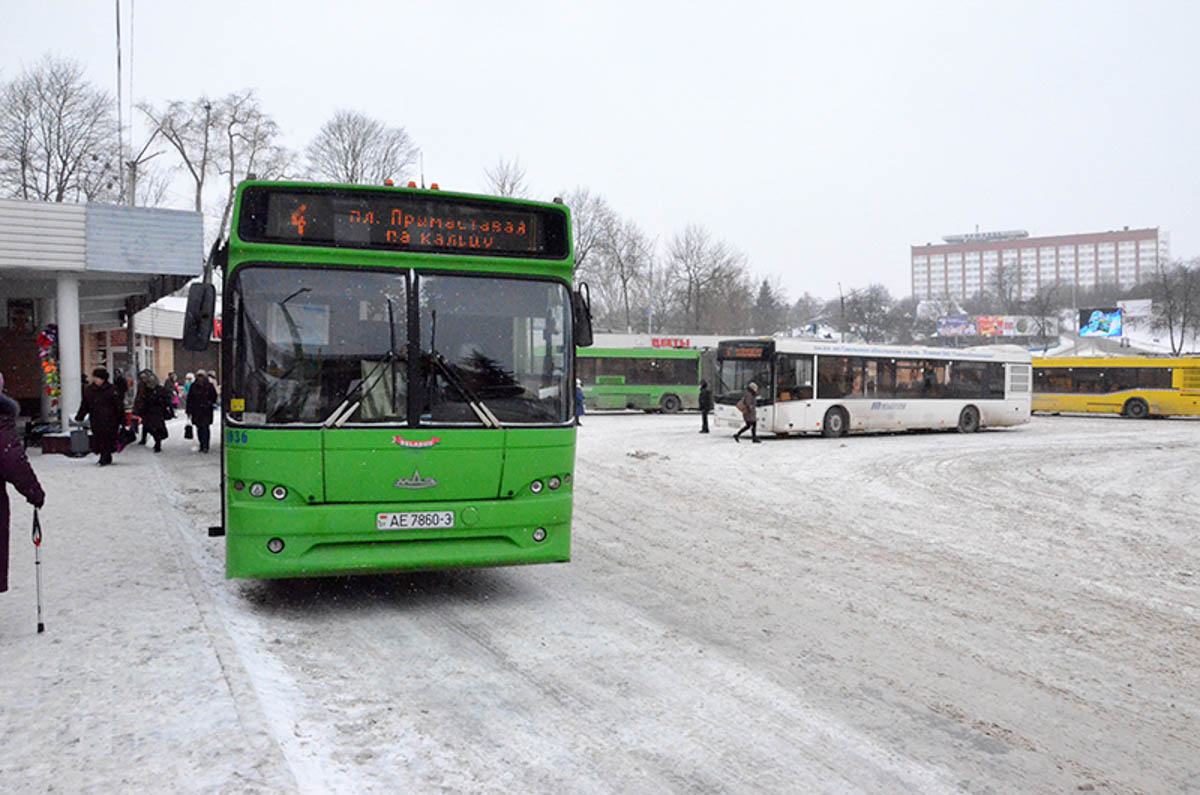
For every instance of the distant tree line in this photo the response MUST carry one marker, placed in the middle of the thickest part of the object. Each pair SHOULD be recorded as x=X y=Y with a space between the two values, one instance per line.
x=59 y=142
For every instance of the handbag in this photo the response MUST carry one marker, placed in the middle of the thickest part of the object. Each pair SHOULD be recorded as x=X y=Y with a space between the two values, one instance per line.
x=187 y=431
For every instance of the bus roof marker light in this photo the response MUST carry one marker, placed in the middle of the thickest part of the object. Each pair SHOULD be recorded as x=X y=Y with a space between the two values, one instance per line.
x=434 y=186
x=388 y=183
x=412 y=184
x=539 y=535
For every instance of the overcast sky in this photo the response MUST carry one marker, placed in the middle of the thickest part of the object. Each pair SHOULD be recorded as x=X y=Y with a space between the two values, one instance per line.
x=822 y=140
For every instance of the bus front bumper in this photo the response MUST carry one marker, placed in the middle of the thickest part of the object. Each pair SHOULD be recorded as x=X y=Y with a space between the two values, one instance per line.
x=324 y=540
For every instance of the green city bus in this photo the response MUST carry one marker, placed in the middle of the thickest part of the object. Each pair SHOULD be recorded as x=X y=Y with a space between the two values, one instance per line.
x=397 y=380
x=650 y=379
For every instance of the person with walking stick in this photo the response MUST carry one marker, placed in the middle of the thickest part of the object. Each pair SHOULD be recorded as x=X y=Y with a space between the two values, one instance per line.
x=14 y=469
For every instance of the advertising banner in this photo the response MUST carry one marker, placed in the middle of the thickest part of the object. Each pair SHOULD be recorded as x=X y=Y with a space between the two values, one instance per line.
x=1135 y=308
x=1103 y=322
x=958 y=326
x=994 y=326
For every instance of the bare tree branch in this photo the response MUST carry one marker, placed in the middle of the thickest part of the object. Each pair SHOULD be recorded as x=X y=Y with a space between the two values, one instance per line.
x=353 y=148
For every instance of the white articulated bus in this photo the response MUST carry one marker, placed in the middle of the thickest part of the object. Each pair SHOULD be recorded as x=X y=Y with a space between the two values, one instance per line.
x=811 y=386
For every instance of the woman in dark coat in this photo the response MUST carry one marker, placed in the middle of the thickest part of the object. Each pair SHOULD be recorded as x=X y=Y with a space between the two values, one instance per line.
x=14 y=469
x=748 y=405
x=153 y=406
x=101 y=402
x=202 y=396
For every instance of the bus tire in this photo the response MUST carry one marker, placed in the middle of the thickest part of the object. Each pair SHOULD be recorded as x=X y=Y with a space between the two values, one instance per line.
x=968 y=420
x=1136 y=408
x=835 y=423
x=670 y=404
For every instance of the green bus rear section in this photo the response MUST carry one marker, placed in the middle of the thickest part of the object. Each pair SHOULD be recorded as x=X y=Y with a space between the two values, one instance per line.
x=621 y=391
x=338 y=480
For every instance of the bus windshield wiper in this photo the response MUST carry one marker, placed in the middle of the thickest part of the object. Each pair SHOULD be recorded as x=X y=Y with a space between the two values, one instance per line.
x=360 y=387
x=482 y=412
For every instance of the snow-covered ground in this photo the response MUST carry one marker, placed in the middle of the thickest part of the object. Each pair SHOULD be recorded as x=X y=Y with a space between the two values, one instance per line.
x=1012 y=611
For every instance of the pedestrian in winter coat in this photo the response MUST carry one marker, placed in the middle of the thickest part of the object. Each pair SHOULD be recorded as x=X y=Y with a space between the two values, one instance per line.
x=579 y=407
x=188 y=380
x=706 y=405
x=14 y=469
x=100 y=401
x=202 y=397
x=748 y=405
x=153 y=405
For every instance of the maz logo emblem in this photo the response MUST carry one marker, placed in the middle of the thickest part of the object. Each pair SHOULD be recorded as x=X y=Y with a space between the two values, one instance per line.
x=415 y=482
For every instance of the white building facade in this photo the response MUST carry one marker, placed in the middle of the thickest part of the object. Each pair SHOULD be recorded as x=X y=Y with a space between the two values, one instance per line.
x=967 y=265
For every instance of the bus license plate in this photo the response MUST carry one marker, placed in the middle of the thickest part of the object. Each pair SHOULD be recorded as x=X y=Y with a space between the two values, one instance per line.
x=415 y=520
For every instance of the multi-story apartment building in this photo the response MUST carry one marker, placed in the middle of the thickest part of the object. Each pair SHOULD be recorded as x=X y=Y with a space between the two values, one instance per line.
x=967 y=265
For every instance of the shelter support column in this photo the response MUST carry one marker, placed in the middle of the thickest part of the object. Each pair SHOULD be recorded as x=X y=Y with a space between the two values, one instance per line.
x=70 y=360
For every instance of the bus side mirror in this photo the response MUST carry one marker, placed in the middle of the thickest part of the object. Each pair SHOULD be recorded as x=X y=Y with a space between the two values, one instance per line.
x=582 y=315
x=198 y=319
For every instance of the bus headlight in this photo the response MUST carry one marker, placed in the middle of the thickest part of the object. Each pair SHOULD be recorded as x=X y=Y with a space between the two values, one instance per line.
x=257 y=489
x=553 y=483
x=536 y=487
x=279 y=492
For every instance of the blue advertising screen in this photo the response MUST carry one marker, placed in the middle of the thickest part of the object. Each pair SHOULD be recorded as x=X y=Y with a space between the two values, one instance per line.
x=1100 y=322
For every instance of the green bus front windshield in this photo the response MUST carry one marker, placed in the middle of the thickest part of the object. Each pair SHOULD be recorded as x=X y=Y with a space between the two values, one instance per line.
x=312 y=343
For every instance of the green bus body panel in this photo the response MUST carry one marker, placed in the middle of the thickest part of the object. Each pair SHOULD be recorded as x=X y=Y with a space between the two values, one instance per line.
x=365 y=465
x=291 y=459
x=483 y=476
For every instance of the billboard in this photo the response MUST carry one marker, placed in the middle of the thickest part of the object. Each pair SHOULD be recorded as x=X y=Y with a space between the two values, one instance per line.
x=956 y=326
x=1103 y=322
x=994 y=326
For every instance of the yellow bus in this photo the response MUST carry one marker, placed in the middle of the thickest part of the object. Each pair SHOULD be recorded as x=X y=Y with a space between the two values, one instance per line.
x=1132 y=386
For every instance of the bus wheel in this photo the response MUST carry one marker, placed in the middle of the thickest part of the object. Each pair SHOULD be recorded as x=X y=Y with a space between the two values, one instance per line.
x=968 y=420
x=1137 y=409
x=670 y=404
x=835 y=423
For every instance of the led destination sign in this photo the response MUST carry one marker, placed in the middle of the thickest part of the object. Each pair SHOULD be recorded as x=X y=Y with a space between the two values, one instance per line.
x=745 y=350
x=394 y=221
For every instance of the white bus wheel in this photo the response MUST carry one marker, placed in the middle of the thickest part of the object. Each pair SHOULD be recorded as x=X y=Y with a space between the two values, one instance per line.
x=968 y=420
x=835 y=423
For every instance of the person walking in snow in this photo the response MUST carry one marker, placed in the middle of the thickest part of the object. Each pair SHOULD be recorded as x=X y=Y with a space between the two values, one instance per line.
x=14 y=469
x=202 y=397
x=100 y=401
x=153 y=406
x=748 y=405
x=706 y=405
x=579 y=409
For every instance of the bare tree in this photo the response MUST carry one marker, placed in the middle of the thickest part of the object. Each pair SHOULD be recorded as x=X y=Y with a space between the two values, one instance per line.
x=591 y=218
x=507 y=178
x=627 y=252
x=354 y=148
x=248 y=146
x=867 y=312
x=1006 y=287
x=1176 y=298
x=58 y=138
x=701 y=264
x=190 y=128
x=1044 y=306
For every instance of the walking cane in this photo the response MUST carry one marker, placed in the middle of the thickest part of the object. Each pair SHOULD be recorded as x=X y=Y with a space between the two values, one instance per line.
x=37 y=565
